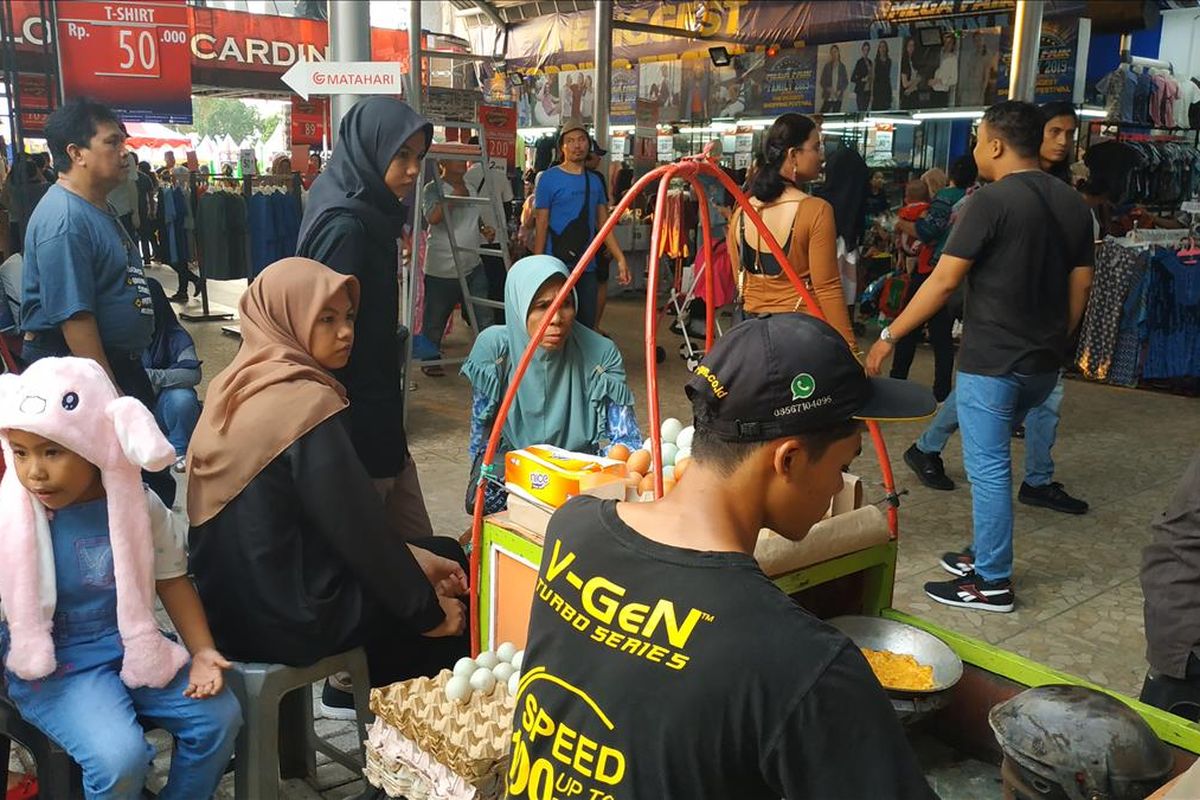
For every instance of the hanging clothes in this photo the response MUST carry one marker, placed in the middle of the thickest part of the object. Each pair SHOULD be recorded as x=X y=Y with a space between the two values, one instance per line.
x=221 y=235
x=177 y=222
x=1117 y=270
x=1173 y=319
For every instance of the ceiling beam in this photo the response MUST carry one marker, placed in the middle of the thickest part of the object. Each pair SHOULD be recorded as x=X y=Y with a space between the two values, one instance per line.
x=491 y=12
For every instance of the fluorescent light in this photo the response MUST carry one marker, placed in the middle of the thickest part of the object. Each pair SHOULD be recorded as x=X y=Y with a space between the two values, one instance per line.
x=845 y=126
x=621 y=128
x=756 y=122
x=534 y=131
x=1093 y=113
x=924 y=115
x=893 y=121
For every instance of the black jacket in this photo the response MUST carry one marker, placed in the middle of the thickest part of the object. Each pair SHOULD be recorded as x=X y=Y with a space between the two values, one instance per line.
x=342 y=242
x=291 y=568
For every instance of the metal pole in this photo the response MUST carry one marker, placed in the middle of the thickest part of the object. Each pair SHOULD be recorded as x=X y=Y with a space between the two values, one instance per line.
x=349 y=40
x=602 y=45
x=1027 y=39
x=414 y=55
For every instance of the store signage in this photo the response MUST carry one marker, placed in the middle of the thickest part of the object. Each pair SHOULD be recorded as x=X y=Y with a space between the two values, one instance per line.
x=344 y=77
x=500 y=127
x=309 y=120
x=35 y=104
x=247 y=162
x=132 y=56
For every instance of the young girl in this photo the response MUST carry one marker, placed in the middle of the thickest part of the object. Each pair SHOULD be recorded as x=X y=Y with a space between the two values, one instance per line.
x=81 y=544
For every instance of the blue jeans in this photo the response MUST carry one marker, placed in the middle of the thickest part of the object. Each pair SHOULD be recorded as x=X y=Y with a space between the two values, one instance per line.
x=1041 y=430
x=177 y=411
x=94 y=717
x=442 y=294
x=988 y=408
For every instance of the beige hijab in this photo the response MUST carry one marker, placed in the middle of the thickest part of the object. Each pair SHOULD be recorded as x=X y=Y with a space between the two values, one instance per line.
x=273 y=393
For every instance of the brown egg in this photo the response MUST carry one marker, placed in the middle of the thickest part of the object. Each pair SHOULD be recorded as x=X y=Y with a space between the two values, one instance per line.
x=618 y=452
x=633 y=479
x=681 y=467
x=646 y=484
x=639 y=461
x=668 y=485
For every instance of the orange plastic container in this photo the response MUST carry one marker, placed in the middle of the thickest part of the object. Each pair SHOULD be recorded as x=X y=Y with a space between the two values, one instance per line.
x=550 y=476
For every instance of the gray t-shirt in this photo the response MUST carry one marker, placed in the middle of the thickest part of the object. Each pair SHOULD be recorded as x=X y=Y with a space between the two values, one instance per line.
x=1024 y=233
x=79 y=258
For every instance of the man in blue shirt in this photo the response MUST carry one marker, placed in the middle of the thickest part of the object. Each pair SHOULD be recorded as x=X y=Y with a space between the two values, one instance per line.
x=564 y=226
x=84 y=291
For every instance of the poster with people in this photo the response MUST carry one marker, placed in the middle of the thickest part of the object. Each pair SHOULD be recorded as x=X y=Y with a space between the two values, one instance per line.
x=694 y=103
x=978 y=63
x=858 y=76
x=737 y=90
x=660 y=83
x=928 y=69
x=540 y=95
x=577 y=90
x=790 y=81
x=624 y=95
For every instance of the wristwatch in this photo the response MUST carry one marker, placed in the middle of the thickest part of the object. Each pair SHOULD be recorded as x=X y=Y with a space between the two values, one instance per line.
x=885 y=335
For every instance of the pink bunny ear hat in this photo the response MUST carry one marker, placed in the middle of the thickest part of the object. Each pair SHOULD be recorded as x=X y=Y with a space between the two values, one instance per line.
x=72 y=402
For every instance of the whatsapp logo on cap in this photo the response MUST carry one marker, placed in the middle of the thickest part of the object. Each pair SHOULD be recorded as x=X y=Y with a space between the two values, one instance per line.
x=803 y=386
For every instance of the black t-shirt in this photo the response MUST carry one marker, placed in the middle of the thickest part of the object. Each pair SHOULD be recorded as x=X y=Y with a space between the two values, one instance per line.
x=1024 y=233
x=657 y=672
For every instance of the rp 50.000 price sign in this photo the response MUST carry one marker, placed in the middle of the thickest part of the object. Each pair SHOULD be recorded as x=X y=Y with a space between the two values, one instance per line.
x=132 y=56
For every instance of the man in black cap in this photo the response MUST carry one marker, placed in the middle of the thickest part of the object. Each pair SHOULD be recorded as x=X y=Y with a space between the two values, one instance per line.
x=661 y=661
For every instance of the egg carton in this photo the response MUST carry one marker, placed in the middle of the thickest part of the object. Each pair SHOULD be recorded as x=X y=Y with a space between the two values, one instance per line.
x=470 y=738
x=398 y=766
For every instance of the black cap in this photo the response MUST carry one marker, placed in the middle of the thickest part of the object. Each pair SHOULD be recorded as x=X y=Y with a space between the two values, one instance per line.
x=790 y=374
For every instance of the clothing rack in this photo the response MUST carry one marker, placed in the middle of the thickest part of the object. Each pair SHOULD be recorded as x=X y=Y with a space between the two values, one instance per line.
x=246 y=184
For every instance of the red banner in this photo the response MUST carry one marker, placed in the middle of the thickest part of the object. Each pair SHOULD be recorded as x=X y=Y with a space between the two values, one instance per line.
x=35 y=103
x=132 y=56
x=309 y=120
x=500 y=127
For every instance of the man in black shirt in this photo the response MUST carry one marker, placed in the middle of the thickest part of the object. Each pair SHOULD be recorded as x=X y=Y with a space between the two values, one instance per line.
x=1024 y=247
x=662 y=663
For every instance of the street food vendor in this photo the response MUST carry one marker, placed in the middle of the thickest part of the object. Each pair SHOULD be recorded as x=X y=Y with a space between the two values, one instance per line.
x=661 y=661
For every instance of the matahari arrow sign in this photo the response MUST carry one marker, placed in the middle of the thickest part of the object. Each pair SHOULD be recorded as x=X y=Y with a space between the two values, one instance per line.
x=343 y=77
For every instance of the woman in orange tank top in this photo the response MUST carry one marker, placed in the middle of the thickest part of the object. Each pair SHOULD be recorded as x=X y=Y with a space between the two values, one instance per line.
x=802 y=224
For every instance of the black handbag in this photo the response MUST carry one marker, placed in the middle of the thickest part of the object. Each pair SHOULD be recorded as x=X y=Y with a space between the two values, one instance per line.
x=570 y=243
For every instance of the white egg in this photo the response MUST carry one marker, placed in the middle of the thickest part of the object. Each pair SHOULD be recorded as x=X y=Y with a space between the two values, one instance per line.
x=503 y=671
x=684 y=452
x=483 y=680
x=646 y=446
x=669 y=451
x=514 y=681
x=505 y=651
x=458 y=689
x=487 y=659
x=668 y=473
x=670 y=430
x=684 y=440
x=518 y=659
x=465 y=667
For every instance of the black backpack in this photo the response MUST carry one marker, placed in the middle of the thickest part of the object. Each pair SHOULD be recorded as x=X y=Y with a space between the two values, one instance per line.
x=571 y=242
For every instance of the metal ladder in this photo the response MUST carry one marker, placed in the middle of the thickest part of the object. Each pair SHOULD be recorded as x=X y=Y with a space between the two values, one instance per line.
x=463 y=254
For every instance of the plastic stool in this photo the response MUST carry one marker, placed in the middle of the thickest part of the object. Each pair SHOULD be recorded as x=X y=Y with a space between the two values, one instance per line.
x=277 y=739
x=58 y=776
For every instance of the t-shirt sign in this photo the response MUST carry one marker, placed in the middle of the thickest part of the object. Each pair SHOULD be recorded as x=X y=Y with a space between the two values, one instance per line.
x=564 y=193
x=1024 y=234
x=132 y=56
x=657 y=672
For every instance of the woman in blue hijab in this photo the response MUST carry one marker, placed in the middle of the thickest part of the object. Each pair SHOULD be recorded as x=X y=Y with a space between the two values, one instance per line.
x=573 y=395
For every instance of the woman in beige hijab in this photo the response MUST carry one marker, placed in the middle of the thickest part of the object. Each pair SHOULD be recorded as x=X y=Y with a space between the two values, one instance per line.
x=293 y=553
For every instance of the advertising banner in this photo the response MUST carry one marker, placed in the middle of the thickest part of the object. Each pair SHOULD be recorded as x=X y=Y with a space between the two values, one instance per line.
x=624 y=95
x=36 y=103
x=131 y=56
x=789 y=82
x=310 y=119
x=1056 y=61
x=577 y=90
x=737 y=90
x=500 y=126
x=978 y=64
x=858 y=76
x=660 y=83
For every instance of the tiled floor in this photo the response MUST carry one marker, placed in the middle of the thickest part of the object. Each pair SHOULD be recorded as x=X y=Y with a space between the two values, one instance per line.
x=1079 y=602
